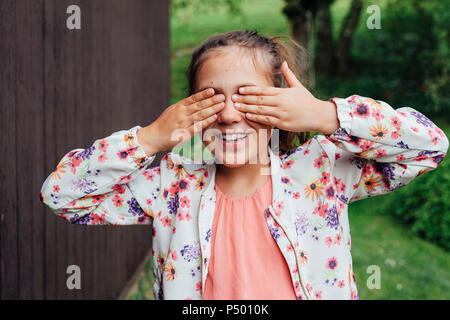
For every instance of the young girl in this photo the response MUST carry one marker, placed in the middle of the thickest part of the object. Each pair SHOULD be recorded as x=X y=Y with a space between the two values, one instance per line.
x=254 y=223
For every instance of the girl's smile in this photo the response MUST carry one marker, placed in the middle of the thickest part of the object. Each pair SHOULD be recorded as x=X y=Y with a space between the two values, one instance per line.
x=234 y=142
x=233 y=139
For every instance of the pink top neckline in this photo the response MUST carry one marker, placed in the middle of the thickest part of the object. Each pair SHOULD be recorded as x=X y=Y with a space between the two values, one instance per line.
x=259 y=190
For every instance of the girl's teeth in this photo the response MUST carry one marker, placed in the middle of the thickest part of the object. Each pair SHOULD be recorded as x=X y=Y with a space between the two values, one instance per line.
x=234 y=137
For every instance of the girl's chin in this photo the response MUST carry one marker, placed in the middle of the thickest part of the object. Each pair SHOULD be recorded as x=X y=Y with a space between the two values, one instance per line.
x=231 y=160
x=228 y=165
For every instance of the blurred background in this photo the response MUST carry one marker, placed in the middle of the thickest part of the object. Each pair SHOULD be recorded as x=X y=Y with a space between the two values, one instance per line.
x=406 y=63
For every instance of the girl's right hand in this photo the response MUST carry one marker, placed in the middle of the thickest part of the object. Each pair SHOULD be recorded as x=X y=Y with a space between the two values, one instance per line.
x=179 y=122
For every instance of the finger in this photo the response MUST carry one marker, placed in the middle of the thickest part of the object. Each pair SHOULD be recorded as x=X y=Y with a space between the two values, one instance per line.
x=200 y=105
x=264 y=119
x=200 y=125
x=257 y=90
x=198 y=96
x=290 y=77
x=259 y=100
x=208 y=112
x=257 y=109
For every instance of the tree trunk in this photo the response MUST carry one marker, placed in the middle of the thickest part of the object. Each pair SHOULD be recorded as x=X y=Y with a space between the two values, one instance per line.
x=300 y=14
x=345 y=37
x=301 y=28
x=325 y=50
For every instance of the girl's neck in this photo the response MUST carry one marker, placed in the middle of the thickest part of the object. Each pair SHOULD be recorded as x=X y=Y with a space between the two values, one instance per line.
x=244 y=180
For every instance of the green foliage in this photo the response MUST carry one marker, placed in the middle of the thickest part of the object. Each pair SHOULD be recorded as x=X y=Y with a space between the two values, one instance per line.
x=410 y=52
x=143 y=288
x=233 y=6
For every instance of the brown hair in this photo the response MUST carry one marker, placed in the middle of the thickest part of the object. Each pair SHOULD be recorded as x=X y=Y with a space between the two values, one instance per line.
x=271 y=52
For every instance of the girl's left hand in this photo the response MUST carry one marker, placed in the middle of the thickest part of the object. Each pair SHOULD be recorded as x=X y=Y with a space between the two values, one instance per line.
x=292 y=109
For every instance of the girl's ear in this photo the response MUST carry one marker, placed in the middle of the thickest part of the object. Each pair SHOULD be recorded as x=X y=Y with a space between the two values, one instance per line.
x=290 y=77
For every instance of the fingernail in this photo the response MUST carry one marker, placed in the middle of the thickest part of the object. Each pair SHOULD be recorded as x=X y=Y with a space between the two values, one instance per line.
x=234 y=96
x=237 y=105
x=210 y=91
x=241 y=90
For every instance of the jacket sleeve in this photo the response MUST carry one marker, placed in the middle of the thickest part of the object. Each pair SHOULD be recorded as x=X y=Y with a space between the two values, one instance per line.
x=103 y=184
x=380 y=148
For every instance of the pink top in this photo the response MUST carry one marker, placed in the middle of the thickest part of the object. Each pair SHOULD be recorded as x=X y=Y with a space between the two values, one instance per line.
x=246 y=262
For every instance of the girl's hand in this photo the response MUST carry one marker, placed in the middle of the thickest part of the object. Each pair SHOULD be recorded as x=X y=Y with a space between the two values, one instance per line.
x=292 y=109
x=179 y=122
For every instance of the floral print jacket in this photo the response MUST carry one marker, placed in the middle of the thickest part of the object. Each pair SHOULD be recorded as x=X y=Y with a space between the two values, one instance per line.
x=376 y=150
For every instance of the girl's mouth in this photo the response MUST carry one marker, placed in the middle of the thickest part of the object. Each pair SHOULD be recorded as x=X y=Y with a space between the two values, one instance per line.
x=234 y=137
x=233 y=140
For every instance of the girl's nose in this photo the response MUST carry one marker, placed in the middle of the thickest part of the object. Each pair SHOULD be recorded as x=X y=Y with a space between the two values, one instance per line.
x=229 y=113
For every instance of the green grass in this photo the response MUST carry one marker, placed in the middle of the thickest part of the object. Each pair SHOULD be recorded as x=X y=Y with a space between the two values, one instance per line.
x=411 y=268
x=143 y=288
